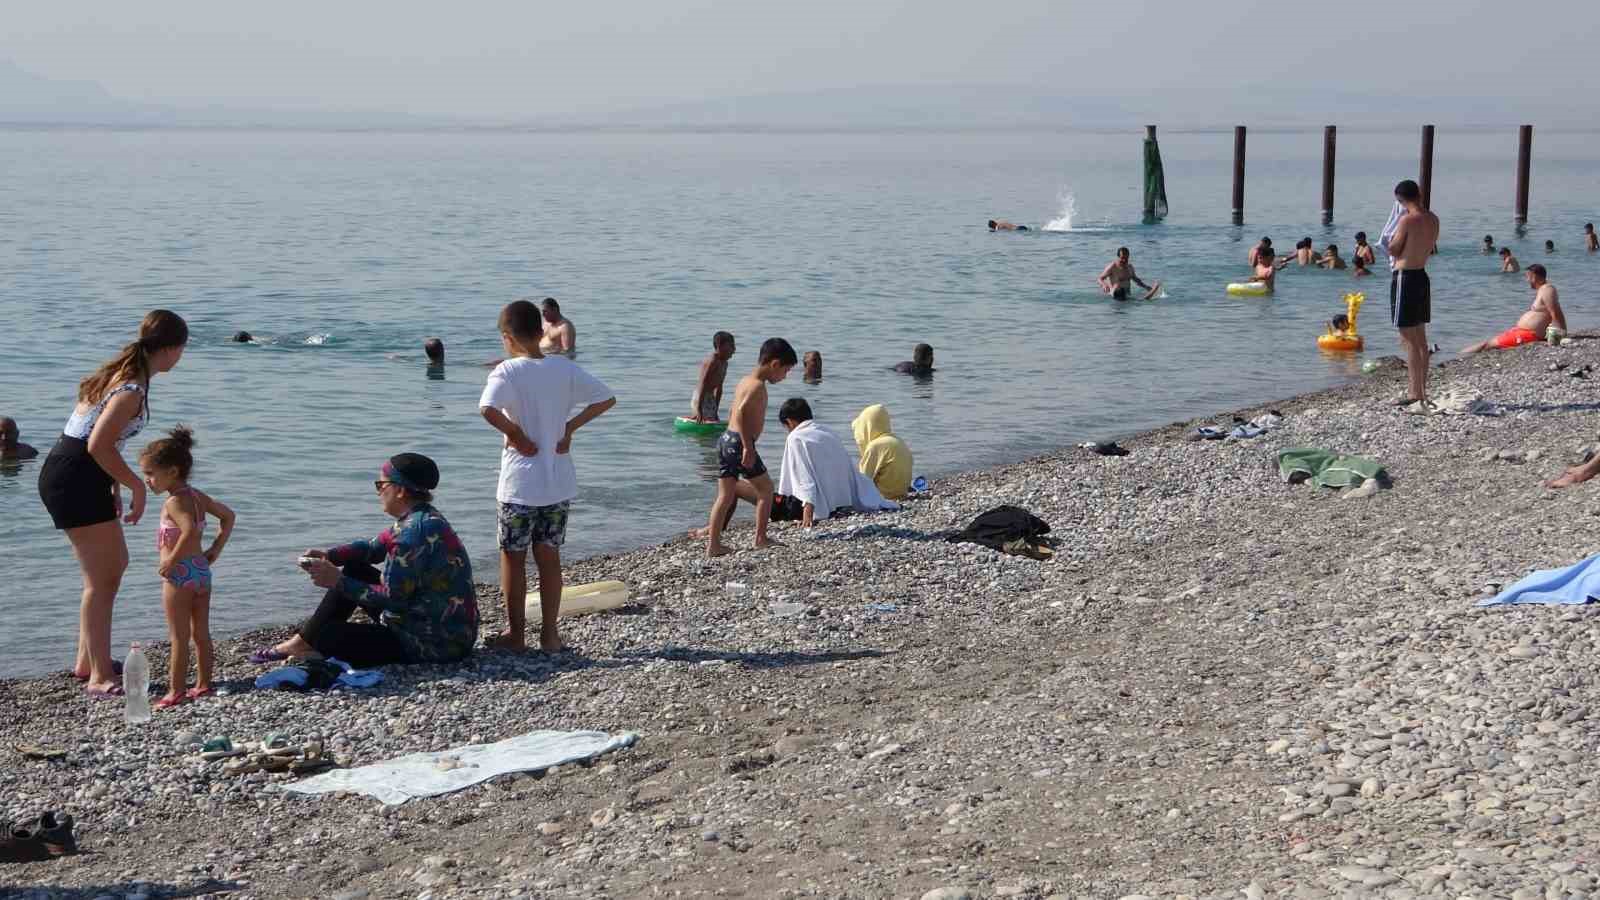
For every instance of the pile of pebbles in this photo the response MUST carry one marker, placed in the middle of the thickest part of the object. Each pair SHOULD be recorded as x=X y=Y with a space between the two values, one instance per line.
x=1220 y=684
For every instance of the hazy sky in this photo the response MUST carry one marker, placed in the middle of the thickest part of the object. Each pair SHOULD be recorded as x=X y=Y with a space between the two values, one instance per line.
x=506 y=59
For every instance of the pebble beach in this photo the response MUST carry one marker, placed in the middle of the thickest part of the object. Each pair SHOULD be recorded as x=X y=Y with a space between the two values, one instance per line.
x=1219 y=684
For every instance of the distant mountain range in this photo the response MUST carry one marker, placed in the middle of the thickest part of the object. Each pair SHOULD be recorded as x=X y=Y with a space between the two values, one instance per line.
x=29 y=99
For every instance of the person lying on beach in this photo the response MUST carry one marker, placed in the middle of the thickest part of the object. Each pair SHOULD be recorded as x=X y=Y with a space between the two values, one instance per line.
x=1359 y=267
x=817 y=472
x=921 y=362
x=1116 y=276
x=1331 y=259
x=706 y=402
x=1003 y=225
x=10 y=446
x=422 y=606
x=813 y=367
x=1488 y=245
x=739 y=465
x=1508 y=263
x=1531 y=326
x=884 y=457
x=1591 y=242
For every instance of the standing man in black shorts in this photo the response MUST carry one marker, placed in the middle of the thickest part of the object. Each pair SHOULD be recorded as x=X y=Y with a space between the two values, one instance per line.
x=1410 y=295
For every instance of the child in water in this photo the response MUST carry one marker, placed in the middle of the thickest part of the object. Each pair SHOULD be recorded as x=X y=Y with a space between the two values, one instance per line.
x=706 y=402
x=185 y=570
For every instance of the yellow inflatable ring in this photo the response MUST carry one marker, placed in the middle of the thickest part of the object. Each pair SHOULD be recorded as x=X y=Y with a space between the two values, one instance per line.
x=1340 y=341
x=1249 y=289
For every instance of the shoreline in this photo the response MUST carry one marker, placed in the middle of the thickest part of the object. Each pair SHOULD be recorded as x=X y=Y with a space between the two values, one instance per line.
x=744 y=524
x=1255 y=686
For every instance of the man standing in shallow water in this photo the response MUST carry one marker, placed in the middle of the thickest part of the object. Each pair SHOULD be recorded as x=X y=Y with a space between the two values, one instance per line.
x=1410 y=293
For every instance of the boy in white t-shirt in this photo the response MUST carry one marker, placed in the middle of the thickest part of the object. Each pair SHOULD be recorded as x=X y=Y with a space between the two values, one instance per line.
x=527 y=399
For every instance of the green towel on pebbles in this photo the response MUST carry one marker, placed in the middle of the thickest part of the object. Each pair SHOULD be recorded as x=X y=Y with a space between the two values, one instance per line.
x=1324 y=468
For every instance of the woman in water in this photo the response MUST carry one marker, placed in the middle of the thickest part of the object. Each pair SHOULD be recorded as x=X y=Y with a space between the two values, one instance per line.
x=78 y=483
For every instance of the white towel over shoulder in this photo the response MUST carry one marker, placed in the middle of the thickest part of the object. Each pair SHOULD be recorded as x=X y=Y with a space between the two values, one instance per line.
x=817 y=470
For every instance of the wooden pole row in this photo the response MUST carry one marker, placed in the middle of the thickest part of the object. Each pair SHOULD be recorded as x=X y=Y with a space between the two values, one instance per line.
x=1330 y=138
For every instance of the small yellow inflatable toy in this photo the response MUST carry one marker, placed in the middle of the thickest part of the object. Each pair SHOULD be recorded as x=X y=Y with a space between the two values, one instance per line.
x=1342 y=334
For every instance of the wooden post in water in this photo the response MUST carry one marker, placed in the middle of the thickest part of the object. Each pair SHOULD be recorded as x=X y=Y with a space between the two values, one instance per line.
x=1425 y=176
x=1329 y=138
x=1238 y=175
x=1149 y=199
x=1524 y=162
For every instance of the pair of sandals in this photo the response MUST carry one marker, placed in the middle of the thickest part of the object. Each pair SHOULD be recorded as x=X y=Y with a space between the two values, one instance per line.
x=46 y=837
x=171 y=700
x=276 y=755
x=109 y=693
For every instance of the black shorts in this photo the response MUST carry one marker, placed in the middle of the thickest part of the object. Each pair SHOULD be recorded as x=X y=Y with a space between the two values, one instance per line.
x=1410 y=297
x=730 y=458
x=75 y=490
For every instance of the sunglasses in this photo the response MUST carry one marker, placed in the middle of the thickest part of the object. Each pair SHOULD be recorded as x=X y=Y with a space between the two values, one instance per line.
x=379 y=485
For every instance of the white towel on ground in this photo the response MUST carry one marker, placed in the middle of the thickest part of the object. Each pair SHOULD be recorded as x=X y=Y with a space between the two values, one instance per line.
x=430 y=774
x=817 y=470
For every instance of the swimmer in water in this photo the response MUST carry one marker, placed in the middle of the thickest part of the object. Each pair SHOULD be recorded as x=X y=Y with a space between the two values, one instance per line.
x=706 y=402
x=242 y=337
x=1364 y=253
x=1003 y=225
x=10 y=446
x=1264 y=248
x=813 y=367
x=560 y=335
x=1331 y=258
x=1304 y=255
x=1549 y=246
x=1488 y=245
x=434 y=348
x=1590 y=241
x=1116 y=277
x=921 y=362
x=1359 y=267
x=1508 y=263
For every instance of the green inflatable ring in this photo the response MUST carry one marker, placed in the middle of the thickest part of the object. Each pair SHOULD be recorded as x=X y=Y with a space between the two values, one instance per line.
x=690 y=426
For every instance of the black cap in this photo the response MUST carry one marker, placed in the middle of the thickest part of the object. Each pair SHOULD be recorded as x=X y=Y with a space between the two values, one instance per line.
x=417 y=469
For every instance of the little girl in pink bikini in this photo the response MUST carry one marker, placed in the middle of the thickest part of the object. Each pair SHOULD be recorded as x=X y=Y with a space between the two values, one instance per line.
x=186 y=571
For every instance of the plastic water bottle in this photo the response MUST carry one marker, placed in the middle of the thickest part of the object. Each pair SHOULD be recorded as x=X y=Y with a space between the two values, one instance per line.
x=136 y=684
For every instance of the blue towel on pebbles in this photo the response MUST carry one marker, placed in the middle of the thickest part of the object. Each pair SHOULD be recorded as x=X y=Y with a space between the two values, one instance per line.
x=1574 y=585
x=295 y=677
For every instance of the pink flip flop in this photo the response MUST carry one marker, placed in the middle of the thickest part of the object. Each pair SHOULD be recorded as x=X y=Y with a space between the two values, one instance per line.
x=110 y=693
x=169 y=701
x=195 y=693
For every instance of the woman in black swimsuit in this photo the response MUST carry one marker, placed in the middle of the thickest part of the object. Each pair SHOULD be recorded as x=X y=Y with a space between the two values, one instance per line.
x=78 y=482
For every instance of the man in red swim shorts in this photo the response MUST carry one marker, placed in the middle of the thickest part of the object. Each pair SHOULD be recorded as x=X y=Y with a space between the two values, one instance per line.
x=1531 y=327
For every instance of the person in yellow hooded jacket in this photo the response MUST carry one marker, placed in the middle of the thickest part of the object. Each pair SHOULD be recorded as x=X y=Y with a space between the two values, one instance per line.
x=884 y=458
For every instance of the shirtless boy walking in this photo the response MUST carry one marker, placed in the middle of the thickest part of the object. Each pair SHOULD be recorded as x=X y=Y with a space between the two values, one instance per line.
x=736 y=449
x=1531 y=326
x=707 y=399
x=1410 y=293
x=1115 y=278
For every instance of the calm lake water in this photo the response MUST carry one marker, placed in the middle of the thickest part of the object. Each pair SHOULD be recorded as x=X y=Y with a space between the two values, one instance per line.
x=344 y=251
